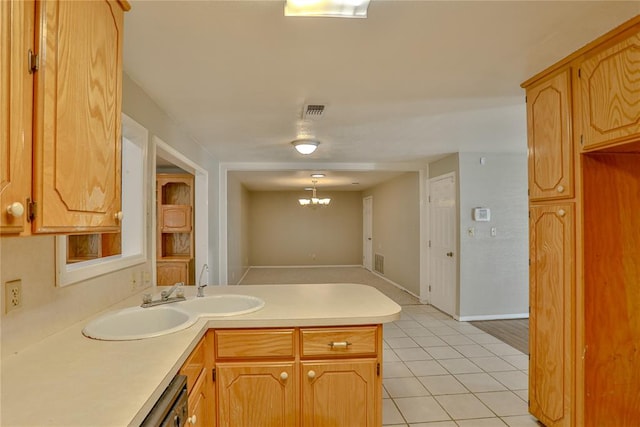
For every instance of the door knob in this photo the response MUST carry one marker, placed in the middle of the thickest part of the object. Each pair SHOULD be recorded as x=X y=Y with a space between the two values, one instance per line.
x=311 y=374
x=284 y=376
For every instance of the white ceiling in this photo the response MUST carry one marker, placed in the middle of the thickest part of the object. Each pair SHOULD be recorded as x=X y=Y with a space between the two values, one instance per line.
x=414 y=80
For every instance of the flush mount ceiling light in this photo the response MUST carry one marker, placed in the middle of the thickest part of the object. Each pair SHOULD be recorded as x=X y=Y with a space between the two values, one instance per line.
x=330 y=8
x=305 y=146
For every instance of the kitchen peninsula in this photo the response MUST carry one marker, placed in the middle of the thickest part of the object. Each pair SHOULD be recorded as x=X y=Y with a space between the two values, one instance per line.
x=68 y=379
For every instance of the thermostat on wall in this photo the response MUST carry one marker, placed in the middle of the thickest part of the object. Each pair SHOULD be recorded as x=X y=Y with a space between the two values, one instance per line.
x=481 y=214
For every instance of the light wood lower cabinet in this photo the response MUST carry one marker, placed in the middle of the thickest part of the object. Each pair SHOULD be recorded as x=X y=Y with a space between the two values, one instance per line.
x=201 y=394
x=200 y=401
x=257 y=394
x=339 y=393
x=320 y=377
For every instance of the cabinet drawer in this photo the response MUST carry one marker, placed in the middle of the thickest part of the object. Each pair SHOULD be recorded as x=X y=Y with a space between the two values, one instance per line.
x=194 y=365
x=337 y=342
x=273 y=343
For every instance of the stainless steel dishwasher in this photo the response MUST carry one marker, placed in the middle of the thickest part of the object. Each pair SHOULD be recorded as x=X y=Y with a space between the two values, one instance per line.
x=171 y=410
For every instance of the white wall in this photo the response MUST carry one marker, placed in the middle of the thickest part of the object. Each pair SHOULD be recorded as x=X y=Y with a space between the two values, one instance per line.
x=285 y=234
x=494 y=271
x=238 y=238
x=396 y=229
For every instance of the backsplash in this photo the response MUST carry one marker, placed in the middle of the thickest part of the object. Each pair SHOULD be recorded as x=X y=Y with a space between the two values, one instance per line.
x=46 y=308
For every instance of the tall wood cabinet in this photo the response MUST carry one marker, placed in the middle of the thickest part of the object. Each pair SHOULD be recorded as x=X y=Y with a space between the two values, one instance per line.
x=61 y=106
x=175 y=233
x=584 y=190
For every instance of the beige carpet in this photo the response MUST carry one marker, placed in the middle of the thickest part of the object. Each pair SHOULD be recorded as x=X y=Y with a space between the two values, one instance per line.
x=293 y=275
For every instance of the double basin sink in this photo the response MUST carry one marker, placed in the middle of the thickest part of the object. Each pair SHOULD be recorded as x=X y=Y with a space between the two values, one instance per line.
x=137 y=323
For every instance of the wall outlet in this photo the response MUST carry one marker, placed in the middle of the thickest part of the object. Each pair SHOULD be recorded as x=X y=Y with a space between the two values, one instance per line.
x=13 y=295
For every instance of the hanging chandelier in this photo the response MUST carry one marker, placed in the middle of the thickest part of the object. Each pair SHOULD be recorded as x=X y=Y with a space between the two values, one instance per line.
x=314 y=200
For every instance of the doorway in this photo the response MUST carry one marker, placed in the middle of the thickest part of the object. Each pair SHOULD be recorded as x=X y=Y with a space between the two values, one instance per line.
x=442 y=243
x=167 y=155
x=367 y=232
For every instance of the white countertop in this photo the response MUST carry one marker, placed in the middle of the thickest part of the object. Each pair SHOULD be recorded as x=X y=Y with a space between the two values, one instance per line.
x=70 y=380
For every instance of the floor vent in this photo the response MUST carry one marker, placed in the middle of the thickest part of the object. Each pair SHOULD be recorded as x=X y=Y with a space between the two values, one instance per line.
x=378 y=263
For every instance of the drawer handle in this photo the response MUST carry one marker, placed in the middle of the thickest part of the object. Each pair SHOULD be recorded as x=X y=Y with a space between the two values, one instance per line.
x=339 y=344
x=284 y=376
x=311 y=374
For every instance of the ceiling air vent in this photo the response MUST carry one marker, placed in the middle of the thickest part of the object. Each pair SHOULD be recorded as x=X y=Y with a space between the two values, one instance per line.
x=312 y=111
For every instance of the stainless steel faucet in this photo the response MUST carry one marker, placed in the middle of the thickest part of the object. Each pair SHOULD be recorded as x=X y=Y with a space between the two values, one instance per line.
x=205 y=268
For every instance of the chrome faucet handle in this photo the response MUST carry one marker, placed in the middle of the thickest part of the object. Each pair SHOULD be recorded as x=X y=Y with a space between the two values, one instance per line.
x=146 y=298
x=166 y=294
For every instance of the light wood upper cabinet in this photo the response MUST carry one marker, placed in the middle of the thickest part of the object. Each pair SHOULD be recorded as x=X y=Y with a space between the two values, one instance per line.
x=552 y=237
x=549 y=138
x=77 y=133
x=339 y=393
x=609 y=88
x=16 y=93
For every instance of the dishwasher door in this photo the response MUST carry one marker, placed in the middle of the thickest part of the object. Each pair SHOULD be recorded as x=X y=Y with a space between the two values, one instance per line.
x=171 y=410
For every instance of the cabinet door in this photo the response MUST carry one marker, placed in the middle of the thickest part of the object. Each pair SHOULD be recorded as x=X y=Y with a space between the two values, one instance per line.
x=256 y=394
x=77 y=145
x=16 y=95
x=340 y=393
x=549 y=139
x=169 y=273
x=199 y=402
x=609 y=85
x=552 y=240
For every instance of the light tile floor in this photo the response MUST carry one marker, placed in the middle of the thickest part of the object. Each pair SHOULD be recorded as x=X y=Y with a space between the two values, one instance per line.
x=437 y=371
x=441 y=372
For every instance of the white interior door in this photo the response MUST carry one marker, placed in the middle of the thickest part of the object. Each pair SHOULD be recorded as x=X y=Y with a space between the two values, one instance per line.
x=442 y=232
x=367 y=232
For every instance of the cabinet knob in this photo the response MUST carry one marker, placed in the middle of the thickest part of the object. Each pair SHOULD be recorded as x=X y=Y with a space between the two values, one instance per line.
x=192 y=419
x=311 y=374
x=15 y=209
x=284 y=376
x=560 y=188
x=562 y=212
x=118 y=215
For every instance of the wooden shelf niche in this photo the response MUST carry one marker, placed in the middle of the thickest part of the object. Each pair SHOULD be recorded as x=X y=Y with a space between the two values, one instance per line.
x=175 y=234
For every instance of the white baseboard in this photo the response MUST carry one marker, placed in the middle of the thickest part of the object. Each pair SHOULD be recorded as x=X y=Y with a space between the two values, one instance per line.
x=492 y=317
x=402 y=288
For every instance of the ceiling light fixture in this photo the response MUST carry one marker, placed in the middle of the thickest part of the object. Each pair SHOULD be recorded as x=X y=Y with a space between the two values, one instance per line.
x=305 y=146
x=314 y=201
x=328 y=8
